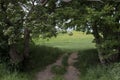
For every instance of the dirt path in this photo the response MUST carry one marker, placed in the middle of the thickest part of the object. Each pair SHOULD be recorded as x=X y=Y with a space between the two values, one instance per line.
x=71 y=74
x=47 y=74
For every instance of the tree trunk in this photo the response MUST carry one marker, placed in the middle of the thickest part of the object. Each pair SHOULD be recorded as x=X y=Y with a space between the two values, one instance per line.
x=101 y=55
x=15 y=58
x=98 y=40
x=26 y=42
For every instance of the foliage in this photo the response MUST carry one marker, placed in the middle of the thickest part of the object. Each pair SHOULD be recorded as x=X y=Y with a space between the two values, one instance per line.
x=98 y=18
x=106 y=33
x=70 y=33
x=19 y=21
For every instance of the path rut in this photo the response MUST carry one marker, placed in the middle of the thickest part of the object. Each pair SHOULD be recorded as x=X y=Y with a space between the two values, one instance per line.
x=71 y=74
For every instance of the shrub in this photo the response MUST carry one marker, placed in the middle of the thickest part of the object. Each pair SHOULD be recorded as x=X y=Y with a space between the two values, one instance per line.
x=70 y=33
x=63 y=31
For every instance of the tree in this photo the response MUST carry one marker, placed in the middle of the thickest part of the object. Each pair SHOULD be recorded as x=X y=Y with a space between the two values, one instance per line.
x=102 y=17
x=19 y=19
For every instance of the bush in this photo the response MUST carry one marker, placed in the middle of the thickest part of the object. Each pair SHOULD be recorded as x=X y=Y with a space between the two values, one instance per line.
x=70 y=33
x=59 y=70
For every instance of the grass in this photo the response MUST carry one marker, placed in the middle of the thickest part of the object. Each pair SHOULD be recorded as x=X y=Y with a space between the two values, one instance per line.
x=58 y=77
x=6 y=75
x=86 y=59
x=88 y=63
x=41 y=56
x=79 y=41
x=44 y=56
x=91 y=69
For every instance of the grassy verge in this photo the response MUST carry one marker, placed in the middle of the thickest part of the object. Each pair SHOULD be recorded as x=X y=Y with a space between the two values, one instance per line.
x=6 y=75
x=40 y=57
x=91 y=69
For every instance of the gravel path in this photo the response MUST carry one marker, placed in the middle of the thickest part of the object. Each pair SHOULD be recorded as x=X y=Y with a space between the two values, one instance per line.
x=71 y=74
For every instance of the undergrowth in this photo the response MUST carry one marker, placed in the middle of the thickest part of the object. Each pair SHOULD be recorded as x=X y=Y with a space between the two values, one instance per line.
x=7 y=75
x=91 y=69
x=40 y=57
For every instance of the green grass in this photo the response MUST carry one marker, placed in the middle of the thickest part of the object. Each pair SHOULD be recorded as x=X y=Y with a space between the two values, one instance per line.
x=40 y=57
x=91 y=69
x=79 y=41
x=58 y=77
x=6 y=75
x=88 y=63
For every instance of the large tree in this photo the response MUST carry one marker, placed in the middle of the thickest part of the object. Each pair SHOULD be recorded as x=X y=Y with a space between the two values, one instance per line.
x=99 y=16
x=22 y=19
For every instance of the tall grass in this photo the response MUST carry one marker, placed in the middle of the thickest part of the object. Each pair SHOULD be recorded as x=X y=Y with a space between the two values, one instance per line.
x=6 y=75
x=91 y=69
x=86 y=59
x=40 y=57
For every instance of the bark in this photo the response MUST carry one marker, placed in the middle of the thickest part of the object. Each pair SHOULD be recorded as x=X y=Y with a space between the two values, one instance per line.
x=98 y=42
x=26 y=42
x=100 y=55
x=15 y=58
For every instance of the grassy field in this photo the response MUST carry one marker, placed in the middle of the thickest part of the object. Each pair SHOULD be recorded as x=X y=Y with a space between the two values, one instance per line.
x=78 y=41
